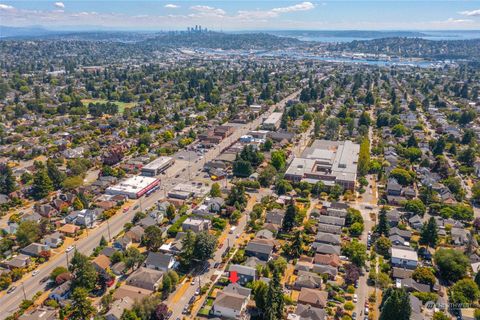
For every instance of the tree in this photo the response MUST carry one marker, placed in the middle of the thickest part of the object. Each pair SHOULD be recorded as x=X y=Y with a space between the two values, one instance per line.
x=83 y=272
x=267 y=176
x=395 y=305
x=82 y=308
x=424 y=275
x=103 y=242
x=205 y=245
x=56 y=272
x=415 y=206
x=188 y=247
x=274 y=308
x=383 y=245
x=364 y=157
x=476 y=191
x=215 y=190
x=259 y=291
x=352 y=273
x=403 y=176
x=353 y=216
x=278 y=160
x=356 y=252
x=133 y=258
x=242 y=168
x=440 y=316
x=290 y=217
x=295 y=250
x=464 y=291
x=54 y=174
x=7 y=180
x=161 y=312
x=28 y=232
x=429 y=233
x=383 y=227
x=42 y=185
x=356 y=229
x=452 y=264
x=171 y=212
x=152 y=238
x=283 y=186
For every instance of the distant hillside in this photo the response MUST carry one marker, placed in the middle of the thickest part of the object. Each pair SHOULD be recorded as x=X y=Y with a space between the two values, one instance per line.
x=415 y=47
x=360 y=34
x=217 y=40
x=33 y=31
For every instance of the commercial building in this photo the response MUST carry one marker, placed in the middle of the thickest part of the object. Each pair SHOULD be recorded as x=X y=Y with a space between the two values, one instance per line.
x=273 y=121
x=332 y=162
x=157 y=166
x=133 y=187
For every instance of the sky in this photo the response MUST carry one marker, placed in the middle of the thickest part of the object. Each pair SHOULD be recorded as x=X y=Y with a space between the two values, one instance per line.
x=229 y=15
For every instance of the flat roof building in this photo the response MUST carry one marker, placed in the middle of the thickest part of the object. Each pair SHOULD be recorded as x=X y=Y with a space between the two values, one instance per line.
x=157 y=166
x=133 y=187
x=332 y=162
x=273 y=121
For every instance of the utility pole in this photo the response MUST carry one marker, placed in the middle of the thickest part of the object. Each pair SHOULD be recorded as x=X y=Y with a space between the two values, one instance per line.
x=108 y=229
x=24 y=294
x=66 y=255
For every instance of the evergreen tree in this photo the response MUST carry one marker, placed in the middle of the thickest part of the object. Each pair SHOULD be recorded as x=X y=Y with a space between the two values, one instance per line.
x=7 y=180
x=395 y=305
x=55 y=175
x=290 y=216
x=82 y=308
x=296 y=248
x=274 y=308
x=383 y=226
x=42 y=185
x=429 y=233
x=83 y=271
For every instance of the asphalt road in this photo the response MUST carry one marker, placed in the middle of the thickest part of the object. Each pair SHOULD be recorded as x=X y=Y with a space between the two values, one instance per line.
x=30 y=285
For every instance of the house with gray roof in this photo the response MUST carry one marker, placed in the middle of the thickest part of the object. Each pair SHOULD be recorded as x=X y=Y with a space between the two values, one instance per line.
x=245 y=273
x=260 y=248
x=145 y=278
x=159 y=261
x=328 y=238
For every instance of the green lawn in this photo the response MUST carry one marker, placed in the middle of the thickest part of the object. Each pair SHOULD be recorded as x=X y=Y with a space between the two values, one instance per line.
x=121 y=105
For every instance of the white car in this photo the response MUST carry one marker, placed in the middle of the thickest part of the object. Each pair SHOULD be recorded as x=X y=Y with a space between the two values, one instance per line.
x=355 y=298
x=193 y=282
x=70 y=248
x=366 y=311
x=35 y=272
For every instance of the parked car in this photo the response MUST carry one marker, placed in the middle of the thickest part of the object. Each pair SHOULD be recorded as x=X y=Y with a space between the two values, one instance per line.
x=35 y=272
x=11 y=289
x=70 y=248
x=44 y=279
x=366 y=311
x=355 y=298
x=354 y=315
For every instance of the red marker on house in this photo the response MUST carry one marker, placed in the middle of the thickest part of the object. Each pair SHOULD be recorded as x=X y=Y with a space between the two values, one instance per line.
x=233 y=277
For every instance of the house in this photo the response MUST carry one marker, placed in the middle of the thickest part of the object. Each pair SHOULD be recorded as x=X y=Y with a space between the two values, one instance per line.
x=313 y=297
x=39 y=313
x=196 y=225
x=412 y=285
x=328 y=238
x=20 y=261
x=393 y=187
x=405 y=234
x=459 y=236
x=401 y=273
x=135 y=233
x=214 y=204
x=393 y=218
x=264 y=234
x=307 y=312
x=260 y=248
x=45 y=210
x=396 y=240
x=61 y=292
x=327 y=259
x=118 y=268
x=245 y=273
x=122 y=243
x=159 y=261
x=326 y=248
x=303 y=266
x=331 y=220
x=322 y=227
x=84 y=218
x=275 y=217
x=145 y=278
x=231 y=302
x=135 y=293
x=34 y=249
x=307 y=279
x=53 y=240
x=415 y=222
x=117 y=308
x=101 y=263
x=68 y=229
x=108 y=251
x=403 y=258
x=325 y=269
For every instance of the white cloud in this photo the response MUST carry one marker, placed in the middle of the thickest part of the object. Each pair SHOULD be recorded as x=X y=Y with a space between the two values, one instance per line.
x=452 y=20
x=5 y=7
x=304 y=6
x=171 y=6
x=207 y=10
x=472 y=13
x=60 y=5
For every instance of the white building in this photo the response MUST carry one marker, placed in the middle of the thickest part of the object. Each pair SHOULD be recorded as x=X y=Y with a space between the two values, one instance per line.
x=404 y=258
x=273 y=121
x=133 y=187
x=157 y=166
